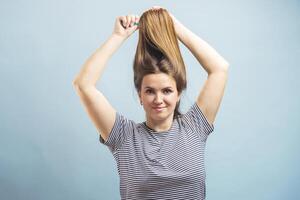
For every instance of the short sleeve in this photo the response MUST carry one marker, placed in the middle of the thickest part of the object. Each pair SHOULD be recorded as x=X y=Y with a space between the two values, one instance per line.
x=196 y=121
x=121 y=131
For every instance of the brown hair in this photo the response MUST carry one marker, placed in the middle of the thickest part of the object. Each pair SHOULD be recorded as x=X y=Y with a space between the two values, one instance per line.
x=158 y=50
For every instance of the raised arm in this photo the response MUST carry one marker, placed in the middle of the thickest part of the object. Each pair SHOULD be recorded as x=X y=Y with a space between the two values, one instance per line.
x=96 y=105
x=215 y=65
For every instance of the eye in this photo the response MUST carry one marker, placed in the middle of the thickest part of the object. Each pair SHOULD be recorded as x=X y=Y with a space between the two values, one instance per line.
x=149 y=91
x=168 y=91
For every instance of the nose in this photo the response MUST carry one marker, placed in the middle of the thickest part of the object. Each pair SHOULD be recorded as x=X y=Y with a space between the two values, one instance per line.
x=158 y=99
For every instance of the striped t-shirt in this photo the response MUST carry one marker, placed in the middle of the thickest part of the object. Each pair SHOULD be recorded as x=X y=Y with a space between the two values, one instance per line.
x=161 y=165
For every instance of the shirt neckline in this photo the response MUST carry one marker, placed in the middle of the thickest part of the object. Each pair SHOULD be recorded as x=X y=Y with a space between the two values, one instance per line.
x=150 y=130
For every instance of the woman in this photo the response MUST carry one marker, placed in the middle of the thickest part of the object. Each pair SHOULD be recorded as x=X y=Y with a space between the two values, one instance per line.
x=163 y=157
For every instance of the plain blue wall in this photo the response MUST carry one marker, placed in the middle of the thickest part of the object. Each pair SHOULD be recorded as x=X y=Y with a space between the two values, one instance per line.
x=49 y=148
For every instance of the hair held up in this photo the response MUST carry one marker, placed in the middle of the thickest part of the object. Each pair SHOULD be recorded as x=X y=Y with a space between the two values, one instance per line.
x=158 y=50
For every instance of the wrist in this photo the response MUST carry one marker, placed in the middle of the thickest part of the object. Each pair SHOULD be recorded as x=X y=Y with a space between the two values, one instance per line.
x=118 y=37
x=177 y=25
x=178 y=28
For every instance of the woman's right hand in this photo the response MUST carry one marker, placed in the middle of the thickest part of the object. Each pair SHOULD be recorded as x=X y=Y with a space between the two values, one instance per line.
x=126 y=25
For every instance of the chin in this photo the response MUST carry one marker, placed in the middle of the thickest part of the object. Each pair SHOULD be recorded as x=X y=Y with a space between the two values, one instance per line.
x=161 y=116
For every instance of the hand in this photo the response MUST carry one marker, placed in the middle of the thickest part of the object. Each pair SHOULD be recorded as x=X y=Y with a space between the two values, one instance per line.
x=159 y=7
x=175 y=21
x=126 y=25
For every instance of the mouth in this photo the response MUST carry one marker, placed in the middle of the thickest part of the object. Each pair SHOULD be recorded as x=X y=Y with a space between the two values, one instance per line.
x=158 y=108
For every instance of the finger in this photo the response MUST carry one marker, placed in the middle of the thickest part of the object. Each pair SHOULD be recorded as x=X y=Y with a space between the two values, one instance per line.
x=154 y=8
x=157 y=7
x=136 y=20
x=132 y=20
x=123 y=20
x=128 y=18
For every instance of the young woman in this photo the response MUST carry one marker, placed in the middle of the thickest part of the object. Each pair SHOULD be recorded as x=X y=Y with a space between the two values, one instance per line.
x=163 y=157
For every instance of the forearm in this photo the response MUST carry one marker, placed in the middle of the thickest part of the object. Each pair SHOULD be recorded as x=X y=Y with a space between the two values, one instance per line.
x=207 y=56
x=95 y=64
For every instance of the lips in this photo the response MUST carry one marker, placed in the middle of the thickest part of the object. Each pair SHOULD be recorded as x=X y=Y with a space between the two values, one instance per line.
x=158 y=108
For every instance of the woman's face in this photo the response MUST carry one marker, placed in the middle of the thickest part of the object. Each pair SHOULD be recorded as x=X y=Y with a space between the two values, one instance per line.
x=159 y=96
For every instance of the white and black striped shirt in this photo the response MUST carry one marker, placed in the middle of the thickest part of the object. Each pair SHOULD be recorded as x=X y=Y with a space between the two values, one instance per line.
x=161 y=165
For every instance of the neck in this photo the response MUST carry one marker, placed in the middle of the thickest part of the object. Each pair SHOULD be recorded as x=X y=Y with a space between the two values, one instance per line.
x=159 y=126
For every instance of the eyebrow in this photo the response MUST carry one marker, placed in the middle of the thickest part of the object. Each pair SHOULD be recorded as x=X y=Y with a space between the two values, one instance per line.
x=169 y=87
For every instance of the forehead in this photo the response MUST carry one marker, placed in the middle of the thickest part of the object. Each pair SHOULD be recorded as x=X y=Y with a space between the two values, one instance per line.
x=160 y=80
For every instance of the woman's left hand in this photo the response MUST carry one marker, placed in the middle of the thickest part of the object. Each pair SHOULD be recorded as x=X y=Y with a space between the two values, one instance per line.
x=175 y=21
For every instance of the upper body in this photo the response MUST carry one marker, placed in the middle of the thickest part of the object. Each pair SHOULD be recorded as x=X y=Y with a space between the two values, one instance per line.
x=161 y=165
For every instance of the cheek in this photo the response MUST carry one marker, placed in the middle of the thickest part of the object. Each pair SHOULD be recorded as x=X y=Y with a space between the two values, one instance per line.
x=148 y=98
x=172 y=99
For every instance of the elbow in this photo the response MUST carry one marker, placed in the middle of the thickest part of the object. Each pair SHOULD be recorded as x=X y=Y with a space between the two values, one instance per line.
x=80 y=85
x=221 y=68
x=226 y=67
x=75 y=83
x=79 y=80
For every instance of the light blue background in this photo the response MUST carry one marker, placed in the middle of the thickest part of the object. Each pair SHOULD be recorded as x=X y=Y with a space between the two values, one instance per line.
x=49 y=148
